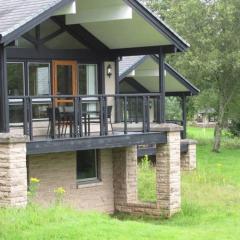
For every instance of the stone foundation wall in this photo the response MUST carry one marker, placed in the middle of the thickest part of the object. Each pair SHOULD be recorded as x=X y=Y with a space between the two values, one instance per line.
x=13 y=171
x=59 y=170
x=167 y=175
x=188 y=158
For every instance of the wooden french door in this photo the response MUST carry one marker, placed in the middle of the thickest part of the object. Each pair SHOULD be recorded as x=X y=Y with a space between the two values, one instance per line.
x=64 y=81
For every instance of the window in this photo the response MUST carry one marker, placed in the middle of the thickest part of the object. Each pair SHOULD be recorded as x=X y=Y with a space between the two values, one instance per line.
x=39 y=79
x=87 y=82
x=87 y=79
x=87 y=165
x=15 y=75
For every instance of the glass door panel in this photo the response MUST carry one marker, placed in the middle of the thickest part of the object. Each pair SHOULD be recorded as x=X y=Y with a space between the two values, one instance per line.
x=64 y=81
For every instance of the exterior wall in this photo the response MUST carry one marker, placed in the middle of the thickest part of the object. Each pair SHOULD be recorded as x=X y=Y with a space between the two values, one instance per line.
x=167 y=175
x=59 y=170
x=188 y=158
x=13 y=171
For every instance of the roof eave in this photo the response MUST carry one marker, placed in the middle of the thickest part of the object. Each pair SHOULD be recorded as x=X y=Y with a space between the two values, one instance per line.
x=193 y=89
x=159 y=25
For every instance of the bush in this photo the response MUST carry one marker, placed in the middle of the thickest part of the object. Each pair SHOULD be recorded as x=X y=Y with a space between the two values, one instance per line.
x=234 y=128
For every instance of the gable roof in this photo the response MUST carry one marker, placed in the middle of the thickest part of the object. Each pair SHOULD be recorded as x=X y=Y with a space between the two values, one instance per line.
x=129 y=64
x=18 y=16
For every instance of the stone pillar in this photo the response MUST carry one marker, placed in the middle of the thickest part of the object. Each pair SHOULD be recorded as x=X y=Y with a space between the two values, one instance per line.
x=13 y=170
x=168 y=174
x=188 y=157
x=125 y=175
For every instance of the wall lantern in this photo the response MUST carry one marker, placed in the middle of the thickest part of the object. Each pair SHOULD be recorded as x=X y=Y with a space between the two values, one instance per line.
x=109 y=70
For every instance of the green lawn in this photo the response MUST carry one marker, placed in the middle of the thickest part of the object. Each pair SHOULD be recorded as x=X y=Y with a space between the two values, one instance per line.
x=210 y=207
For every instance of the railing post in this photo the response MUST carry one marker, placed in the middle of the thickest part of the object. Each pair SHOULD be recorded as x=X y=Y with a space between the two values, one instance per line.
x=125 y=114
x=25 y=116
x=53 y=123
x=144 y=113
x=76 y=118
x=30 y=119
x=80 y=116
x=148 y=114
x=105 y=115
x=136 y=110
x=101 y=117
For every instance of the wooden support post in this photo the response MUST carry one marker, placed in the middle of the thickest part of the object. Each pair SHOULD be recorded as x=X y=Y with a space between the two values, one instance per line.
x=161 y=101
x=117 y=91
x=184 y=116
x=101 y=78
x=4 y=107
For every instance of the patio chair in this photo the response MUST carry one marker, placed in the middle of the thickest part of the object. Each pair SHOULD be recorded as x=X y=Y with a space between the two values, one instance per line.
x=50 y=121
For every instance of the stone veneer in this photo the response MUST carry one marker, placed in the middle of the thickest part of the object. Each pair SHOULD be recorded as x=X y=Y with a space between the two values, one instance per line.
x=167 y=175
x=13 y=170
x=188 y=158
x=125 y=175
x=59 y=170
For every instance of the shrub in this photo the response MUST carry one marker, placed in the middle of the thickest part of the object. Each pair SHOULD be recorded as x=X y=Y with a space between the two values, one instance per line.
x=234 y=128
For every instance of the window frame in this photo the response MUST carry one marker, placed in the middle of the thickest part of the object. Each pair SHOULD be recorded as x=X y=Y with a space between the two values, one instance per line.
x=49 y=78
x=96 y=77
x=24 y=77
x=97 y=169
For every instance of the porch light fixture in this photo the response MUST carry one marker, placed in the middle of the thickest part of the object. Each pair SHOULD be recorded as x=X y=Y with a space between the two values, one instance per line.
x=109 y=70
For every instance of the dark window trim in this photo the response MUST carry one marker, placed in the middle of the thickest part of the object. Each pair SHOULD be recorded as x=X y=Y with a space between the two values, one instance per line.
x=98 y=169
x=24 y=77
x=50 y=75
x=96 y=75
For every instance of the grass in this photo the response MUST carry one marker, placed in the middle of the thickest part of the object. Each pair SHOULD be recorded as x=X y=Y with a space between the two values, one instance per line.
x=210 y=207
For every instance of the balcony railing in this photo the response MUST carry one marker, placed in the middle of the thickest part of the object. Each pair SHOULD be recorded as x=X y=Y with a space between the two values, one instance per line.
x=85 y=116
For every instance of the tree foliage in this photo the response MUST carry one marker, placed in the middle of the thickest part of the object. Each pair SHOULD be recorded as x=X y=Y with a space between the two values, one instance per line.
x=213 y=62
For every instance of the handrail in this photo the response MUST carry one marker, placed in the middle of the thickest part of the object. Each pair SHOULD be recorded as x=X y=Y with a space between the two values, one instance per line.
x=131 y=107
x=87 y=96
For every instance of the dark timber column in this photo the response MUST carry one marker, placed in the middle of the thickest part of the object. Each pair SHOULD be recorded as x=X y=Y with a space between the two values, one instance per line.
x=117 y=91
x=184 y=116
x=161 y=102
x=101 y=78
x=4 y=108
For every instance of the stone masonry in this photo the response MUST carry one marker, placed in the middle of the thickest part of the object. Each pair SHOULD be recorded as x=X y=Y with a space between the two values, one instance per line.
x=13 y=170
x=188 y=158
x=167 y=175
x=125 y=175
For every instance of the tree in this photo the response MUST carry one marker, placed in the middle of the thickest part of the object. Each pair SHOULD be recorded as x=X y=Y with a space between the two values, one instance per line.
x=213 y=61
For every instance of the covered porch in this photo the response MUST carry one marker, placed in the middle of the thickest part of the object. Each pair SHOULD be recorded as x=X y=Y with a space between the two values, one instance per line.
x=60 y=72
